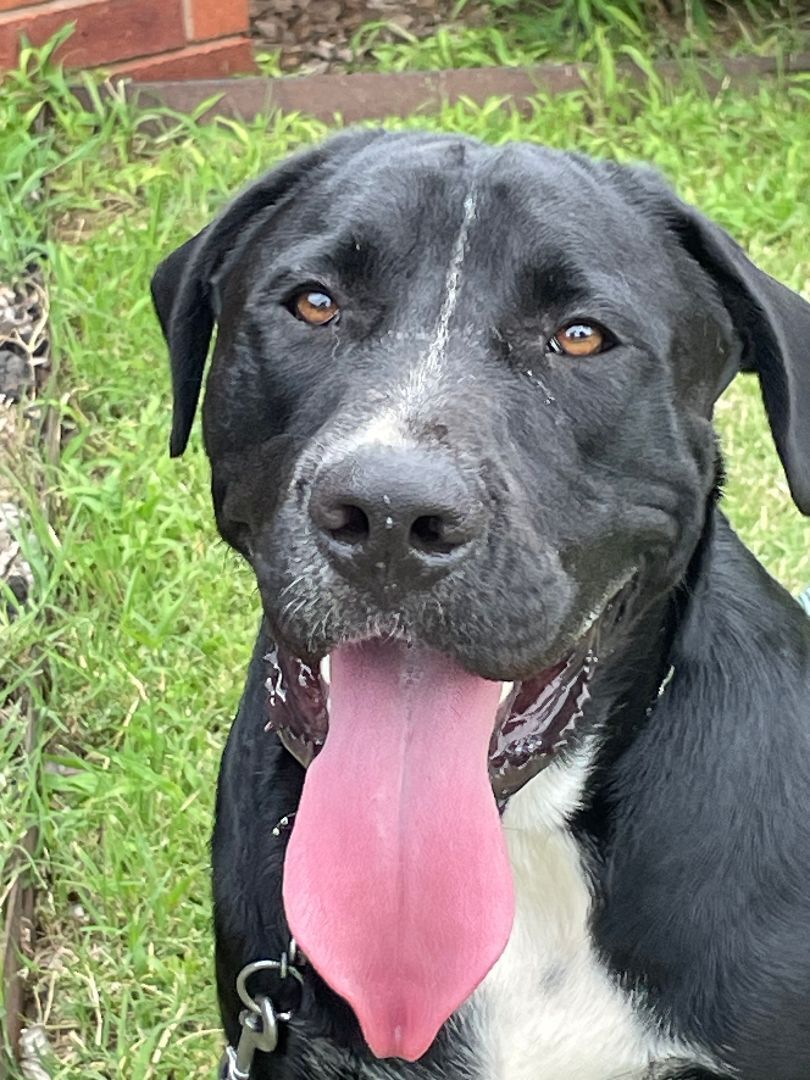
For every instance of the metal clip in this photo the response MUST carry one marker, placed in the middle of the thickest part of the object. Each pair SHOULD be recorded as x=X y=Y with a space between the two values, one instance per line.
x=259 y=1032
x=259 y=1019
x=283 y=966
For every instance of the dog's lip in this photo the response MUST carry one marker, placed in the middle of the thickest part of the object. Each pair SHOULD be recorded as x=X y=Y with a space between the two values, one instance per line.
x=540 y=717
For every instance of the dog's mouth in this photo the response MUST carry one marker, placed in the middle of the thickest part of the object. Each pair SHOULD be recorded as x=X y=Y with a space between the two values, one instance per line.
x=536 y=718
x=397 y=882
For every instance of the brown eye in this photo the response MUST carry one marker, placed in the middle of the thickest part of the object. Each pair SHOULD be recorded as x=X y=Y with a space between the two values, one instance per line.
x=314 y=307
x=578 y=339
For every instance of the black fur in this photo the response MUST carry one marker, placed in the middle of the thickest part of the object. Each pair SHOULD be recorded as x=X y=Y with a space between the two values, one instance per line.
x=695 y=817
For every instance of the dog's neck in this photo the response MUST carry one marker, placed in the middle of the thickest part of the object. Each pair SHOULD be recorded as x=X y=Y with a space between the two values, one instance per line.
x=630 y=682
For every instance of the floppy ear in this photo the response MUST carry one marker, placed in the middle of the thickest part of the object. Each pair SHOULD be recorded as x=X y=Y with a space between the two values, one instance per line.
x=771 y=321
x=183 y=287
x=773 y=324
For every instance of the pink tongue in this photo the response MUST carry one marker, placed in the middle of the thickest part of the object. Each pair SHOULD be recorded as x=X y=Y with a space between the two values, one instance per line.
x=397 y=885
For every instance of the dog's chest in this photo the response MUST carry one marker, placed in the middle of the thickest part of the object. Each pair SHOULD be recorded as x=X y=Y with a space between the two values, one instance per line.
x=550 y=1009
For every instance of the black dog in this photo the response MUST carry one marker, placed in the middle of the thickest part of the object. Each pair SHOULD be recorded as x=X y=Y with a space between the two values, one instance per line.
x=459 y=423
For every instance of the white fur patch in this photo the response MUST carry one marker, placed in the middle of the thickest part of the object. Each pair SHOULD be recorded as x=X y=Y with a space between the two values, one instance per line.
x=424 y=375
x=384 y=430
x=390 y=425
x=550 y=1009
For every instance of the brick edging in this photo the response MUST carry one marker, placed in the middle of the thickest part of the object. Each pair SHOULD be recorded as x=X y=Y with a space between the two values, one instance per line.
x=375 y=95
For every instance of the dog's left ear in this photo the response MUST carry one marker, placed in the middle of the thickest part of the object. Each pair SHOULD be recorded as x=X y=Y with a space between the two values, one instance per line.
x=772 y=322
x=773 y=325
x=185 y=285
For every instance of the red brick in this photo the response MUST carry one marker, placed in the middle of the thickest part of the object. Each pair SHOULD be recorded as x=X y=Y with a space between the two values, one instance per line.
x=106 y=31
x=17 y=7
x=231 y=56
x=217 y=18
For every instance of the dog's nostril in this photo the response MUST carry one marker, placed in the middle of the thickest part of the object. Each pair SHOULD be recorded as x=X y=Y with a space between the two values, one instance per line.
x=347 y=523
x=431 y=535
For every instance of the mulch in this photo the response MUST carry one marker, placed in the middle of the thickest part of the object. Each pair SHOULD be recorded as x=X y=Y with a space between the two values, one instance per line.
x=24 y=368
x=25 y=364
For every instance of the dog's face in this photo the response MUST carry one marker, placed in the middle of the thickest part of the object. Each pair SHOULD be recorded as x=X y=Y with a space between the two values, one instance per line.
x=497 y=338
x=461 y=398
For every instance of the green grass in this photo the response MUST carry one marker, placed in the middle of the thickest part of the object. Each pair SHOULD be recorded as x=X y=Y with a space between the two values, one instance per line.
x=143 y=618
x=525 y=32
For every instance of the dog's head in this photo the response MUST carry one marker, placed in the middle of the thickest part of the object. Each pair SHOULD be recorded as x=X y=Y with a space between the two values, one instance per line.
x=459 y=422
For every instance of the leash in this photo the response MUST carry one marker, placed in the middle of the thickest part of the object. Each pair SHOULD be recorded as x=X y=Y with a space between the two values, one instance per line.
x=259 y=1019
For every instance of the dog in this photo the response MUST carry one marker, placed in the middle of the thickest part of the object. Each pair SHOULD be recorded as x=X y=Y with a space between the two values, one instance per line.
x=522 y=763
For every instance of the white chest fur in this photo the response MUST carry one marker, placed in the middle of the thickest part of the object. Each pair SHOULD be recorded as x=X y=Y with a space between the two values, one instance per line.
x=550 y=1009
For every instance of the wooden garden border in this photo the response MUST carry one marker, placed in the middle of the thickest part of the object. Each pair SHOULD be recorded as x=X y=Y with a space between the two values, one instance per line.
x=373 y=95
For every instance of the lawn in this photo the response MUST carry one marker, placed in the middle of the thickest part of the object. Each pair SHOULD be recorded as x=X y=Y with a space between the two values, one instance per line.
x=141 y=616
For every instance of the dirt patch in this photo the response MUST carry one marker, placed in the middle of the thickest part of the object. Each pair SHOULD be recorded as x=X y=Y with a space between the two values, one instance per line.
x=318 y=36
x=24 y=367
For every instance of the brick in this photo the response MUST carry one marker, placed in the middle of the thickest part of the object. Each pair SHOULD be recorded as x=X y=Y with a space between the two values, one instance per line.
x=217 y=18
x=231 y=56
x=17 y=7
x=106 y=31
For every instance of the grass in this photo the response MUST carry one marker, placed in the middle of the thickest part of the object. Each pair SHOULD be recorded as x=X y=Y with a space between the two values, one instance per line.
x=525 y=32
x=142 y=618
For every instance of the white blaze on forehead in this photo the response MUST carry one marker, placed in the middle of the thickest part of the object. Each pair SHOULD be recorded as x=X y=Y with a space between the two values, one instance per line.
x=390 y=425
x=429 y=366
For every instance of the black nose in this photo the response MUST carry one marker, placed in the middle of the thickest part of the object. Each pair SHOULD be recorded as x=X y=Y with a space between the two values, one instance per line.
x=395 y=515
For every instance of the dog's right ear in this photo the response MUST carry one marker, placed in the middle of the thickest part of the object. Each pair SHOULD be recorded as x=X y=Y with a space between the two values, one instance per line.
x=183 y=285
x=186 y=316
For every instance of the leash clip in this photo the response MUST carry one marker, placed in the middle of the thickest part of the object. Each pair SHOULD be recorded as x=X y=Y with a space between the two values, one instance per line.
x=259 y=1032
x=259 y=1019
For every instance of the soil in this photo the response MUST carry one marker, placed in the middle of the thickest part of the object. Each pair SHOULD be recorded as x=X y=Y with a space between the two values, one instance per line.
x=313 y=37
